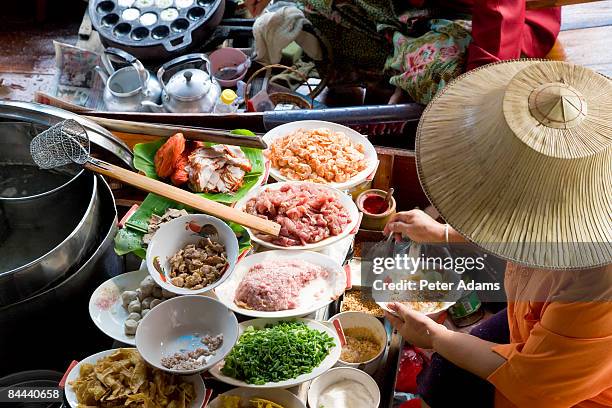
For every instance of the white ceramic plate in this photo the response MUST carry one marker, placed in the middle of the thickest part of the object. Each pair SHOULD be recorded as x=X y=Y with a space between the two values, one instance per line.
x=73 y=375
x=344 y=199
x=173 y=325
x=369 y=151
x=105 y=308
x=313 y=297
x=326 y=364
x=281 y=397
x=173 y=236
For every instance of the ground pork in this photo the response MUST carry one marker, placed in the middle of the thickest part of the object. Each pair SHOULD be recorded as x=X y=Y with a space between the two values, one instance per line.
x=276 y=284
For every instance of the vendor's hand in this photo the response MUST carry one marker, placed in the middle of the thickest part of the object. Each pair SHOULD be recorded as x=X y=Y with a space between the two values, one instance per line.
x=416 y=328
x=255 y=7
x=416 y=225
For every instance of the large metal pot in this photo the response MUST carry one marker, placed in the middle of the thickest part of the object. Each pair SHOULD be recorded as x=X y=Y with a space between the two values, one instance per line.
x=47 y=218
x=57 y=318
x=44 y=116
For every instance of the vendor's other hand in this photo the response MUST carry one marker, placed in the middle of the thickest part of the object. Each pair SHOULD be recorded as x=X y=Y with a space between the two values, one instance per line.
x=416 y=225
x=416 y=328
x=256 y=7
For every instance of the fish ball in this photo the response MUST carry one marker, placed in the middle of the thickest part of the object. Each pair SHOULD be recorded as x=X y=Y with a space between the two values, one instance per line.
x=146 y=302
x=127 y=297
x=134 y=306
x=157 y=292
x=155 y=302
x=147 y=285
x=133 y=316
x=130 y=326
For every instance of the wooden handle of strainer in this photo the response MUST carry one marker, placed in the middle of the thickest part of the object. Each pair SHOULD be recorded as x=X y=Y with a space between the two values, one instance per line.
x=184 y=197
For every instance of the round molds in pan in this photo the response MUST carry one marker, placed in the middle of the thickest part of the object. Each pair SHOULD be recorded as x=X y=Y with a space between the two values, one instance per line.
x=148 y=19
x=160 y=32
x=139 y=33
x=162 y=4
x=144 y=3
x=105 y=7
x=180 y=25
x=122 y=29
x=169 y=14
x=130 y=14
x=196 y=13
x=184 y=3
x=110 y=20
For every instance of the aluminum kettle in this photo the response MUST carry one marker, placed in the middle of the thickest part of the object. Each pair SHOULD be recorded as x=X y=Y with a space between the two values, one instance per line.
x=127 y=89
x=190 y=90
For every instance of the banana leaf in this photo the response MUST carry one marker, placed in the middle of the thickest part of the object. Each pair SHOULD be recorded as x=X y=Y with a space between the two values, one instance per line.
x=129 y=238
x=144 y=155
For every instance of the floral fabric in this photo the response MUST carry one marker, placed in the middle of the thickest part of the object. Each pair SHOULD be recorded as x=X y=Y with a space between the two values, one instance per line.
x=372 y=40
x=423 y=65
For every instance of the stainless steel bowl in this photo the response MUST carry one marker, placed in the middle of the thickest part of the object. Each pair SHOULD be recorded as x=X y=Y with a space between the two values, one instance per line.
x=58 y=317
x=46 y=217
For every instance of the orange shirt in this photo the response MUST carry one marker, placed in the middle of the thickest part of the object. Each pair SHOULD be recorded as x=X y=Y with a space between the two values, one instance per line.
x=560 y=352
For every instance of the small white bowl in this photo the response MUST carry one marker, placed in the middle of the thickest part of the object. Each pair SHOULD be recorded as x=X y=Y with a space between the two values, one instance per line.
x=173 y=323
x=282 y=397
x=173 y=236
x=367 y=321
x=338 y=374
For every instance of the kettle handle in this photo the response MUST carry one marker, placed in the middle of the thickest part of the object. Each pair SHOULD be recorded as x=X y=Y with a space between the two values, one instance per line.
x=129 y=59
x=183 y=60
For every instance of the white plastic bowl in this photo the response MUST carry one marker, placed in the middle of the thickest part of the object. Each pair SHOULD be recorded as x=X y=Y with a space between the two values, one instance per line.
x=73 y=375
x=160 y=332
x=345 y=199
x=332 y=287
x=281 y=397
x=367 y=321
x=173 y=236
x=338 y=374
x=369 y=152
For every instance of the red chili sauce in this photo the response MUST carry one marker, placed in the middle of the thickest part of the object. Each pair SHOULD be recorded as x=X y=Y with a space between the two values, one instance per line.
x=375 y=204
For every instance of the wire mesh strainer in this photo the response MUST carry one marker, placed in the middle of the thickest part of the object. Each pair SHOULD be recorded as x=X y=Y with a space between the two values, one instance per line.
x=67 y=142
x=64 y=143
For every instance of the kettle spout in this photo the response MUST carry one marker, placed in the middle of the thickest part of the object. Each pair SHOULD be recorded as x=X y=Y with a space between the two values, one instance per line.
x=153 y=107
x=102 y=72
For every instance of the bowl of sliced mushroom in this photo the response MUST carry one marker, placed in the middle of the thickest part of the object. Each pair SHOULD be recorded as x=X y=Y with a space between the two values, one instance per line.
x=192 y=254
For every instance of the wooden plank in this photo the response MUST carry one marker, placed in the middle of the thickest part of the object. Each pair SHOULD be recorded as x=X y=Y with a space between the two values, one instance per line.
x=587 y=15
x=23 y=86
x=589 y=47
x=30 y=49
x=537 y=4
x=382 y=179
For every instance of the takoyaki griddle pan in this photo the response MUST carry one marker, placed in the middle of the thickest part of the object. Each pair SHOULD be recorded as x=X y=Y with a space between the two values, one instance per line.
x=155 y=29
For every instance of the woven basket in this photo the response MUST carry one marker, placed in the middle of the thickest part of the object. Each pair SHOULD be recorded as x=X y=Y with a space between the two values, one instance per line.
x=284 y=97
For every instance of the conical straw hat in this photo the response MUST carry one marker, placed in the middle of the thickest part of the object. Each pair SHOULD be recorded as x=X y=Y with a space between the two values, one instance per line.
x=517 y=157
